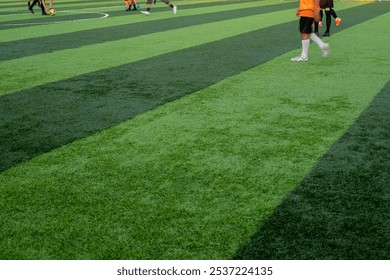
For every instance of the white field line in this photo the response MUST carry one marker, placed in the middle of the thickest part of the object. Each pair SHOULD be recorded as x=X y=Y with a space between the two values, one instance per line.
x=101 y=16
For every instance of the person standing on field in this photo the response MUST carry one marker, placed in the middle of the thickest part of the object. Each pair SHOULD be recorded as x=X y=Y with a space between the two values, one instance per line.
x=130 y=3
x=149 y=5
x=41 y=4
x=309 y=11
x=327 y=5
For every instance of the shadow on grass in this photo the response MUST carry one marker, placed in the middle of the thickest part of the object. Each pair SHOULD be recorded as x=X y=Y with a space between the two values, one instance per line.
x=43 y=118
x=341 y=210
x=40 y=119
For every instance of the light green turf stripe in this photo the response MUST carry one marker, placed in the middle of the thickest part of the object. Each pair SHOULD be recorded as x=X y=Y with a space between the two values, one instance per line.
x=73 y=62
x=218 y=161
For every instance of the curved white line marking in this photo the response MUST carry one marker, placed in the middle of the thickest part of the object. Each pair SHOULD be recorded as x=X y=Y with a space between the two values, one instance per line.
x=102 y=16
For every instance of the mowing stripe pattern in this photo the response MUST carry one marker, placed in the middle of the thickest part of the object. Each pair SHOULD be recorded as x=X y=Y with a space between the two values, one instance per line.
x=192 y=136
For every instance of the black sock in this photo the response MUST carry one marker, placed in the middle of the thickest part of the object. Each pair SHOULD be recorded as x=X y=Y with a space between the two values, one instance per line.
x=328 y=21
x=333 y=13
x=33 y=4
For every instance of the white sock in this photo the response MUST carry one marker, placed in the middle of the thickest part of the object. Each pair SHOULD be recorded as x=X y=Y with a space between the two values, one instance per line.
x=305 y=47
x=317 y=40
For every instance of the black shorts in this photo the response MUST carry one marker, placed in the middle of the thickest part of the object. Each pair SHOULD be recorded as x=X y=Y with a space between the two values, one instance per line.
x=326 y=4
x=305 y=24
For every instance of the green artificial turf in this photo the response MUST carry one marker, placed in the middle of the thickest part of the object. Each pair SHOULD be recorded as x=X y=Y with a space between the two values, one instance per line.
x=341 y=209
x=193 y=136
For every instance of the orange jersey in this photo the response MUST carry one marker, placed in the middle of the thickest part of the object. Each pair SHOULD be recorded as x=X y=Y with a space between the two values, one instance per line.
x=307 y=8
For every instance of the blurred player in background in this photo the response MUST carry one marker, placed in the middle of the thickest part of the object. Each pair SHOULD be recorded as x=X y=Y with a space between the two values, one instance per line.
x=327 y=5
x=130 y=3
x=41 y=4
x=149 y=5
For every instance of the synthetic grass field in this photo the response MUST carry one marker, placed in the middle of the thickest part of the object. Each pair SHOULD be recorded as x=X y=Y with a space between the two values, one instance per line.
x=193 y=136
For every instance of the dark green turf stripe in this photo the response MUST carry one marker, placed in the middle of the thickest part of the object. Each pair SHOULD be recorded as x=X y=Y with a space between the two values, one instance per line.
x=11 y=7
x=341 y=210
x=34 y=46
x=40 y=119
x=17 y=7
x=161 y=7
x=43 y=118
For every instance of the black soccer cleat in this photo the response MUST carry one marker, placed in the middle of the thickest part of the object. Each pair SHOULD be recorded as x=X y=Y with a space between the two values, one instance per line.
x=30 y=8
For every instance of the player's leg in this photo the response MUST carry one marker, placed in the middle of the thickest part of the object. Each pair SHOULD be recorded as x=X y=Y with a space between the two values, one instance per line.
x=328 y=22
x=43 y=8
x=174 y=8
x=148 y=6
x=323 y=46
x=305 y=29
x=337 y=20
x=30 y=7
x=33 y=3
x=128 y=6
x=134 y=4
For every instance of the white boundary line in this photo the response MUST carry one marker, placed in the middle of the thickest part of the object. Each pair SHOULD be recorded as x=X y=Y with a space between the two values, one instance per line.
x=102 y=16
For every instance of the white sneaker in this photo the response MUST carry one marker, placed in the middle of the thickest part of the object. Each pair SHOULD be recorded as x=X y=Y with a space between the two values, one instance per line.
x=174 y=10
x=145 y=12
x=325 y=51
x=300 y=58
